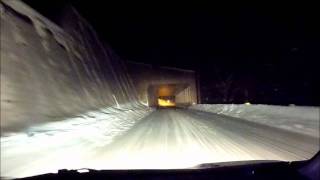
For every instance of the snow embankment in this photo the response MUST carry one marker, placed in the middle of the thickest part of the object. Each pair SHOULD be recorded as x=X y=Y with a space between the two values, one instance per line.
x=98 y=127
x=300 y=119
x=76 y=138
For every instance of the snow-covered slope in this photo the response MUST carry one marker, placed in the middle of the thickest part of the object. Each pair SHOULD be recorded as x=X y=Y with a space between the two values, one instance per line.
x=51 y=73
x=298 y=119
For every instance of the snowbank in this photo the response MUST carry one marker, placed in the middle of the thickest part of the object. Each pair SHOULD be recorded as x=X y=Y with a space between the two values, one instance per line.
x=77 y=138
x=298 y=119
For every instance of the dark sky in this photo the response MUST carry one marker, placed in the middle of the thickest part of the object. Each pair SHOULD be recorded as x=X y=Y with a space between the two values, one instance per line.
x=262 y=45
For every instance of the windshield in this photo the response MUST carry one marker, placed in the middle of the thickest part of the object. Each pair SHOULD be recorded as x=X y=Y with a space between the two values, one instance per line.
x=89 y=85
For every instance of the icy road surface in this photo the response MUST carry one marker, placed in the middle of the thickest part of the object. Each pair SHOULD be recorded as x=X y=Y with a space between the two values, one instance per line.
x=166 y=138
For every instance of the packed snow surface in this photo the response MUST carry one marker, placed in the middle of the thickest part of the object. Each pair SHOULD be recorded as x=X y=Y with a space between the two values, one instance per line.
x=160 y=139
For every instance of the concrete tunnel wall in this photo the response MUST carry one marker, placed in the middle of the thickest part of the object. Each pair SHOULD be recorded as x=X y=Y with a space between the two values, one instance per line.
x=49 y=73
x=147 y=79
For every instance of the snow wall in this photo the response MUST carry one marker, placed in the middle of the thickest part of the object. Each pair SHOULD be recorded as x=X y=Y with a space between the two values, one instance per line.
x=49 y=73
x=299 y=119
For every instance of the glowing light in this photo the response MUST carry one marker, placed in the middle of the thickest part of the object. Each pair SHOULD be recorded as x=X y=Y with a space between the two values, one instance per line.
x=83 y=170
x=165 y=103
x=247 y=103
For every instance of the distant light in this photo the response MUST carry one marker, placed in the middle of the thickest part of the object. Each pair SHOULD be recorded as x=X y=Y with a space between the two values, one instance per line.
x=165 y=103
x=193 y=103
x=247 y=103
x=83 y=170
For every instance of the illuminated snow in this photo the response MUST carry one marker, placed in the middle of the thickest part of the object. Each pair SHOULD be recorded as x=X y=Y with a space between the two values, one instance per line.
x=69 y=143
x=300 y=119
x=167 y=138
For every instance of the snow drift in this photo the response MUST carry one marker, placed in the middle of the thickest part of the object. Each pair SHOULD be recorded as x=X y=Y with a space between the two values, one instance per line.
x=298 y=119
x=77 y=139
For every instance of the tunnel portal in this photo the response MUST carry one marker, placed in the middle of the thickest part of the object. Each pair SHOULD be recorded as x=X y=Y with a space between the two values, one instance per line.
x=167 y=95
x=164 y=86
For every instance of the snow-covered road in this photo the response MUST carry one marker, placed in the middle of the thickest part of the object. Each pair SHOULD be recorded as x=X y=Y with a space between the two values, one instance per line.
x=183 y=138
x=171 y=138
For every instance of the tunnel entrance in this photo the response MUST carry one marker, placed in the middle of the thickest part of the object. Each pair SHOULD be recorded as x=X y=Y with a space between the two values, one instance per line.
x=166 y=101
x=157 y=83
x=168 y=95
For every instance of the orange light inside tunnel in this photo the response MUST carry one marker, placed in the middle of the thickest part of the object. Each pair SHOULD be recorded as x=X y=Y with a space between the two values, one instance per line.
x=165 y=102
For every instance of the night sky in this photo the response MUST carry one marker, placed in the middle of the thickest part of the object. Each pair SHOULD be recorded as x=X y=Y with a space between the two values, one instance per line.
x=262 y=53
